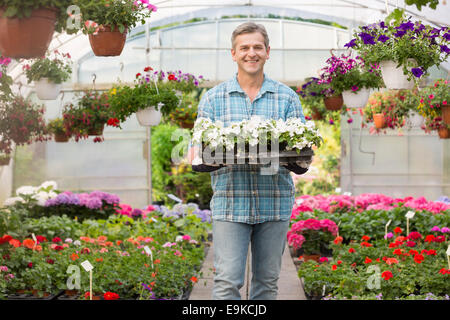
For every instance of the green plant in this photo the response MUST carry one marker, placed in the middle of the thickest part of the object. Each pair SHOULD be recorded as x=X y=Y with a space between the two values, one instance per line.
x=5 y=80
x=186 y=112
x=21 y=9
x=401 y=41
x=56 y=126
x=114 y=13
x=57 y=69
x=419 y=3
x=432 y=100
x=21 y=122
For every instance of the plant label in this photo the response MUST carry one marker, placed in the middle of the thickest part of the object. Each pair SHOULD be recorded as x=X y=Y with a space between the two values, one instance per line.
x=347 y=194
x=389 y=222
x=448 y=250
x=171 y=196
x=87 y=265
x=148 y=250
x=410 y=214
x=323 y=290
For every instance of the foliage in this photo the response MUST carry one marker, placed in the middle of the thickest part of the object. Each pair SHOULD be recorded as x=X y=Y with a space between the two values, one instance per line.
x=114 y=13
x=5 y=80
x=56 y=126
x=57 y=69
x=21 y=122
x=401 y=41
x=419 y=3
x=21 y=9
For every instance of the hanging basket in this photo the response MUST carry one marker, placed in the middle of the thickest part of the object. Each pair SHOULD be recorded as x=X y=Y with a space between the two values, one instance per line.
x=47 y=90
x=444 y=133
x=27 y=37
x=356 y=100
x=149 y=116
x=379 y=120
x=107 y=43
x=4 y=161
x=96 y=131
x=446 y=113
x=334 y=103
x=393 y=77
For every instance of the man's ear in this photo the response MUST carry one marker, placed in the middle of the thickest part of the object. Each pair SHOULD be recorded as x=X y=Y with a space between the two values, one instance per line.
x=233 y=54
x=268 y=52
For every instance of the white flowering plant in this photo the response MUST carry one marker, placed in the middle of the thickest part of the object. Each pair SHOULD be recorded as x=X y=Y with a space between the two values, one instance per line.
x=291 y=134
x=30 y=196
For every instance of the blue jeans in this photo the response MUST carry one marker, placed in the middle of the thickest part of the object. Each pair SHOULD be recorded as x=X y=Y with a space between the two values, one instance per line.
x=231 y=240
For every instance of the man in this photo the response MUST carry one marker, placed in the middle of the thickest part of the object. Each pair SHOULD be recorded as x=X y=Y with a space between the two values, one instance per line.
x=247 y=206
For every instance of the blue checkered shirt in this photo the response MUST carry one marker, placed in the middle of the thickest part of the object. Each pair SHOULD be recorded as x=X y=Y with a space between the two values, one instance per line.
x=241 y=193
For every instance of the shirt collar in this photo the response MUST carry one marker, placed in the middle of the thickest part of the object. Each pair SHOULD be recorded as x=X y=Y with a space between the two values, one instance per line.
x=268 y=85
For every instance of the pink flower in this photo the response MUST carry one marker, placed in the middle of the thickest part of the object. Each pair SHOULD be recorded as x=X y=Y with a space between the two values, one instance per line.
x=431 y=96
x=187 y=237
x=323 y=259
x=355 y=88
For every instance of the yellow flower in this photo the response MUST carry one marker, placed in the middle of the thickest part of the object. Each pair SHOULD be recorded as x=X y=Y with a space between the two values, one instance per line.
x=114 y=91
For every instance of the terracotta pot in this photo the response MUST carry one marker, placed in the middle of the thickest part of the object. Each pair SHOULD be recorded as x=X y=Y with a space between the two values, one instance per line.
x=71 y=293
x=4 y=161
x=61 y=137
x=107 y=43
x=444 y=133
x=379 y=121
x=314 y=257
x=334 y=103
x=186 y=125
x=28 y=37
x=446 y=113
x=96 y=132
x=35 y=293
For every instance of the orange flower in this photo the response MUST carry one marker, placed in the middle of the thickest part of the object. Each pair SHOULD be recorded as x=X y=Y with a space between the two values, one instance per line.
x=87 y=239
x=108 y=244
x=194 y=279
x=74 y=256
x=140 y=238
x=29 y=243
x=152 y=283
x=157 y=261
x=390 y=261
x=338 y=240
x=102 y=238
x=153 y=274
x=118 y=242
x=368 y=260
x=38 y=248
x=146 y=265
x=365 y=238
x=15 y=243
x=99 y=259
x=334 y=267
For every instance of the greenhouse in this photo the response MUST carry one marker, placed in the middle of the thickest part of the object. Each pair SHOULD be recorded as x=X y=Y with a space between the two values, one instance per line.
x=93 y=176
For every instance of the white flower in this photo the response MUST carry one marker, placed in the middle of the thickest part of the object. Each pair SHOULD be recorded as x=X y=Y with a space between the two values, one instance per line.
x=179 y=238
x=77 y=243
x=13 y=200
x=47 y=184
x=26 y=190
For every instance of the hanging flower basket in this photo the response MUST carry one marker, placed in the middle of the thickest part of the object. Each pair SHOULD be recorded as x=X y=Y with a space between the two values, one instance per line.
x=107 y=43
x=393 y=77
x=379 y=120
x=47 y=90
x=149 y=116
x=356 y=100
x=61 y=137
x=4 y=161
x=446 y=113
x=334 y=103
x=444 y=133
x=27 y=37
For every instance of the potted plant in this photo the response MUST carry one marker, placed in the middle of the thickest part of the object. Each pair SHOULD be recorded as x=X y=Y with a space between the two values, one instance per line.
x=409 y=100
x=4 y=159
x=108 y=21
x=351 y=77
x=88 y=116
x=49 y=73
x=150 y=98
x=311 y=97
x=433 y=107
x=186 y=113
x=21 y=122
x=27 y=27
x=404 y=49
x=57 y=128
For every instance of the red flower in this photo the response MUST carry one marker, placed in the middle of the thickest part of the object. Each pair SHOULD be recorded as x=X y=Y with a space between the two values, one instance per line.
x=393 y=245
x=439 y=239
x=5 y=239
x=390 y=261
x=59 y=248
x=397 y=251
x=386 y=275
x=398 y=230
x=368 y=260
x=113 y=122
x=418 y=258
x=365 y=244
x=41 y=239
x=147 y=69
x=351 y=250
x=413 y=252
x=30 y=265
x=194 y=279
x=444 y=271
x=334 y=267
x=85 y=250
x=50 y=261
x=110 y=296
x=353 y=265
x=431 y=252
x=338 y=240
x=138 y=75
x=429 y=238
x=172 y=77
x=339 y=262
x=415 y=235
x=56 y=239
x=365 y=238
x=410 y=244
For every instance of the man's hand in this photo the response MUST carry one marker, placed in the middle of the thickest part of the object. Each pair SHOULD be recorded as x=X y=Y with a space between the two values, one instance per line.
x=192 y=152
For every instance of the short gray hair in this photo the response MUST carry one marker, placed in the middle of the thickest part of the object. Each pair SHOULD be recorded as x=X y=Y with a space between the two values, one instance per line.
x=249 y=27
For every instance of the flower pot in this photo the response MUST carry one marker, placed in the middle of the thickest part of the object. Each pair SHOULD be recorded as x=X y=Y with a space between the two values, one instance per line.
x=444 y=133
x=393 y=77
x=334 y=103
x=61 y=137
x=4 y=161
x=314 y=257
x=96 y=132
x=379 y=121
x=415 y=120
x=356 y=100
x=36 y=293
x=446 y=113
x=316 y=115
x=47 y=90
x=149 y=116
x=70 y=293
x=107 y=43
x=28 y=37
x=186 y=125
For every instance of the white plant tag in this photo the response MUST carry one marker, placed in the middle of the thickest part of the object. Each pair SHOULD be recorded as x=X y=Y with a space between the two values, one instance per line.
x=34 y=237
x=323 y=290
x=448 y=250
x=347 y=193
x=87 y=265
x=410 y=214
x=171 y=196
x=149 y=252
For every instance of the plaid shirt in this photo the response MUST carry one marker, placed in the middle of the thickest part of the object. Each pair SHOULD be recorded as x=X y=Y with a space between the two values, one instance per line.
x=241 y=193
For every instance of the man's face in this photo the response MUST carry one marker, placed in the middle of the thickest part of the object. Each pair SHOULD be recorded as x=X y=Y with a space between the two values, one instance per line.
x=250 y=53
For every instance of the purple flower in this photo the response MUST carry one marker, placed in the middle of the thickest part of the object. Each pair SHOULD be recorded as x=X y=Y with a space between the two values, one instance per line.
x=350 y=44
x=388 y=235
x=367 y=38
x=136 y=213
x=355 y=88
x=383 y=38
x=406 y=26
x=445 y=230
x=417 y=72
x=420 y=28
x=435 y=229
x=331 y=121
x=445 y=49
x=350 y=120
x=383 y=25
x=447 y=36
x=400 y=33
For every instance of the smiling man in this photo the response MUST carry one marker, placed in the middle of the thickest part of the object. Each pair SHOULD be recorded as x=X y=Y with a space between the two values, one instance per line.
x=249 y=207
